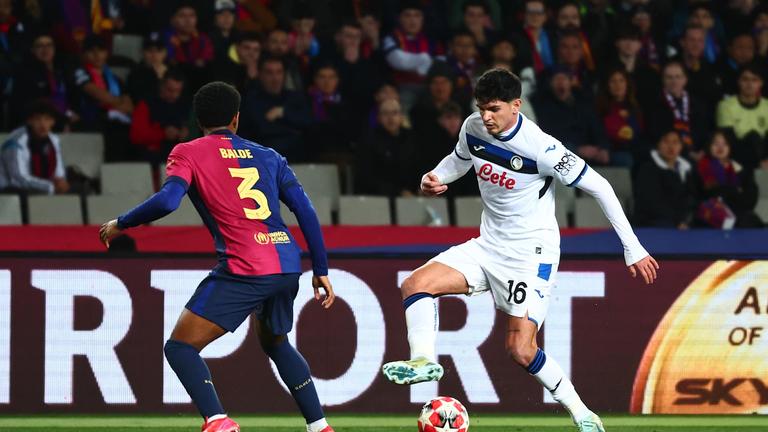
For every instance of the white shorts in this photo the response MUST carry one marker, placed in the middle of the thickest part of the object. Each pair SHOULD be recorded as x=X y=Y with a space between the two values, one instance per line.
x=519 y=287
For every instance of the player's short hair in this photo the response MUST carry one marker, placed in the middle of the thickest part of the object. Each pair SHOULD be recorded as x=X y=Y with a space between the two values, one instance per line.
x=216 y=104
x=498 y=84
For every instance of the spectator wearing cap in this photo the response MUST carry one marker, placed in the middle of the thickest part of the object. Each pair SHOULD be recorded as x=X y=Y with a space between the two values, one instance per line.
x=535 y=43
x=144 y=78
x=273 y=115
x=622 y=118
x=463 y=59
x=665 y=189
x=676 y=109
x=30 y=159
x=702 y=77
x=561 y=113
x=409 y=52
x=278 y=45
x=159 y=121
x=645 y=78
x=746 y=114
x=441 y=89
x=224 y=33
x=740 y=52
x=241 y=67
x=384 y=162
x=44 y=77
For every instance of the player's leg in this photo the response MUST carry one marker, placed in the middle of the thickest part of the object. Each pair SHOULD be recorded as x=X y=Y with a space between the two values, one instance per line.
x=191 y=334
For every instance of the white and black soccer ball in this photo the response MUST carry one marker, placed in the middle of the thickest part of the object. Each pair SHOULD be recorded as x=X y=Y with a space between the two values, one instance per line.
x=443 y=414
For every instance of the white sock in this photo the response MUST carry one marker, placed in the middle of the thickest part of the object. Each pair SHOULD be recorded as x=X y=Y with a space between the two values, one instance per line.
x=317 y=425
x=216 y=417
x=422 y=321
x=551 y=376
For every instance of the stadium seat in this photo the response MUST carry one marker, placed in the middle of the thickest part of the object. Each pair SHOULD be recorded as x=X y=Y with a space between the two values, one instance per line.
x=322 y=206
x=128 y=46
x=185 y=215
x=85 y=151
x=102 y=208
x=10 y=210
x=55 y=210
x=468 y=211
x=364 y=210
x=134 y=178
x=762 y=209
x=621 y=181
x=588 y=214
x=761 y=178
x=422 y=211
x=320 y=180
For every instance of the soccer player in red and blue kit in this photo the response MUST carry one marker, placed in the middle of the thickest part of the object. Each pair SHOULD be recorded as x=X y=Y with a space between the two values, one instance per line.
x=236 y=187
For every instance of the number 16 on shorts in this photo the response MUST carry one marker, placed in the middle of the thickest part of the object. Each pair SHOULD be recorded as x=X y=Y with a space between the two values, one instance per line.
x=516 y=292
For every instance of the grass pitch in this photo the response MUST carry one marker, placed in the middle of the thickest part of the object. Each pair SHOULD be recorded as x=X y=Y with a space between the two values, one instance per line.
x=381 y=423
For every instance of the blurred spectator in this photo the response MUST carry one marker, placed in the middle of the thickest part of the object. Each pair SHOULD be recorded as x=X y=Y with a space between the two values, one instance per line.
x=477 y=22
x=568 y=22
x=622 y=118
x=330 y=133
x=741 y=51
x=301 y=39
x=679 y=110
x=273 y=115
x=702 y=78
x=44 y=77
x=760 y=30
x=565 y=115
x=371 y=27
x=599 y=22
x=385 y=91
x=144 y=78
x=277 y=45
x=504 y=55
x=702 y=16
x=12 y=45
x=665 y=192
x=384 y=160
x=463 y=60
x=474 y=15
x=738 y=14
x=570 y=54
x=538 y=44
x=321 y=11
x=103 y=98
x=651 y=44
x=645 y=78
x=241 y=67
x=440 y=91
x=747 y=115
x=188 y=47
x=254 y=16
x=30 y=159
x=724 y=182
x=159 y=122
x=224 y=33
x=409 y=52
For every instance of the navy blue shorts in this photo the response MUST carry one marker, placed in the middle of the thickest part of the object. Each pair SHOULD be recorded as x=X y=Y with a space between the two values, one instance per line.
x=228 y=299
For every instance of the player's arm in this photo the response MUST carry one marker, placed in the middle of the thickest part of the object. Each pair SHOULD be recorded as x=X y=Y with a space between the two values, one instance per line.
x=165 y=201
x=450 y=169
x=293 y=195
x=571 y=170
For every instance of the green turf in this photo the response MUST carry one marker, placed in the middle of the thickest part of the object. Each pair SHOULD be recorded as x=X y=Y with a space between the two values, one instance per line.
x=381 y=423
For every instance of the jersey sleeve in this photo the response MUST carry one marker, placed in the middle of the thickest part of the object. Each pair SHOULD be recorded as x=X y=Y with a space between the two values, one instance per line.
x=554 y=160
x=180 y=165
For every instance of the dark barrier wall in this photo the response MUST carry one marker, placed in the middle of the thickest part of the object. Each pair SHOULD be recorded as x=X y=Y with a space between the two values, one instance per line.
x=86 y=335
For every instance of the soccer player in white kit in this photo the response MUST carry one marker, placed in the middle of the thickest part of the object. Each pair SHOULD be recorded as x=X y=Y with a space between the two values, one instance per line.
x=518 y=251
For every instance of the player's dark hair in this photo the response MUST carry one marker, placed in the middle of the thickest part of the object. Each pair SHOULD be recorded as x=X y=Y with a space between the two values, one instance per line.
x=216 y=104
x=498 y=84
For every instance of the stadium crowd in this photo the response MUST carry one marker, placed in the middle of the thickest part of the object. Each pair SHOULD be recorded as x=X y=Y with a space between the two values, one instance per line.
x=673 y=90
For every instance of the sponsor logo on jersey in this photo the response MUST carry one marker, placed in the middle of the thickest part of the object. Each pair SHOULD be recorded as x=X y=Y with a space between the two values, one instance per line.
x=550 y=148
x=277 y=237
x=566 y=164
x=516 y=162
x=235 y=153
x=486 y=173
x=478 y=147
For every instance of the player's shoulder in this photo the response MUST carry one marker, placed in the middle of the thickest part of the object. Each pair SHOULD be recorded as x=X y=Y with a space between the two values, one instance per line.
x=257 y=149
x=534 y=137
x=473 y=124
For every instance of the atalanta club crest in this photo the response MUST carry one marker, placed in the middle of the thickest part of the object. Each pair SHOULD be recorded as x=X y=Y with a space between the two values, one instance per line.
x=516 y=162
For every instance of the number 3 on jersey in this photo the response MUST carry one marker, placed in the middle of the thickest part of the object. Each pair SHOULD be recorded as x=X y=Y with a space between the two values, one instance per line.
x=250 y=176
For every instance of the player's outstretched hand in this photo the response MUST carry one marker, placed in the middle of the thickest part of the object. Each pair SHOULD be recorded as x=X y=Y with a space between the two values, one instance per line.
x=646 y=267
x=108 y=231
x=431 y=185
x=323 y=282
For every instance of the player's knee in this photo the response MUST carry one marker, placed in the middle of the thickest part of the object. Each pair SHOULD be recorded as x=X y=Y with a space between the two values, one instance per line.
x=172 y=347
x=269 y=341
x=413 y=284
x=520 y=352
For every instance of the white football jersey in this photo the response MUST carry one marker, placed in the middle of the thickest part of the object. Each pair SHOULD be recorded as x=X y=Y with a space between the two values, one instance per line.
x=515 y=174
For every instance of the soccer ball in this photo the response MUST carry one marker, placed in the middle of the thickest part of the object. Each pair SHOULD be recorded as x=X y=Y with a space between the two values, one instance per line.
x=443 y=414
